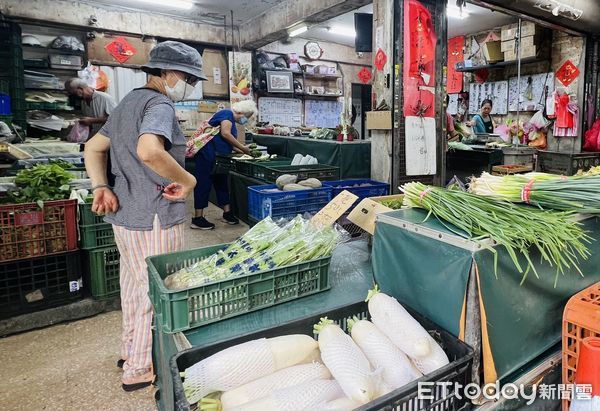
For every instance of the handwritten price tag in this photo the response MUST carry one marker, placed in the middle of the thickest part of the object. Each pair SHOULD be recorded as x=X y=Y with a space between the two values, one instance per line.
x=335 y=209
x=365 y=213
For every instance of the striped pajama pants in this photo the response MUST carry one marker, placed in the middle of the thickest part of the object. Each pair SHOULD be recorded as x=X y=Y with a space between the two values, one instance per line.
x=134 y=247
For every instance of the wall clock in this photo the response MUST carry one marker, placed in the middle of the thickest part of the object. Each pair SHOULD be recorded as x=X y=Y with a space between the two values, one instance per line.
x=312 y=50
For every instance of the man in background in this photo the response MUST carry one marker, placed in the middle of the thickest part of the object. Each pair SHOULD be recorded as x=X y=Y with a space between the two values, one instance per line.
x=96 y=106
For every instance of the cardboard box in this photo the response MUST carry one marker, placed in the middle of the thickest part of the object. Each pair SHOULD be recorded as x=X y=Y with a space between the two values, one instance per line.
x=379 y=120
x=510 y=31
x=526 y=52
x=215 y=66
x=526 y=42
x=492 y=51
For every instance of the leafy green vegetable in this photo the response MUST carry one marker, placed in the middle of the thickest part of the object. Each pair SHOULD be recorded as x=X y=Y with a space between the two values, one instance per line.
x=43 y=182
x=393 y=204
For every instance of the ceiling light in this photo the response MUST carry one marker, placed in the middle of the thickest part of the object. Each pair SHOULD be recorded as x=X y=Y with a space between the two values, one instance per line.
x=342 y=31
x=457 y=12
x=179 y=4
x=559 y=9
x=298 y=30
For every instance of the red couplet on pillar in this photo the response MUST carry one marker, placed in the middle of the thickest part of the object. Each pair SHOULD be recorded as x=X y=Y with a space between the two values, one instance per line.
x=364 y=75
x=121 y=49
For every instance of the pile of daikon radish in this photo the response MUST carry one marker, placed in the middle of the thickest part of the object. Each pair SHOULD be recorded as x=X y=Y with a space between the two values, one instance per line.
x=339 y=372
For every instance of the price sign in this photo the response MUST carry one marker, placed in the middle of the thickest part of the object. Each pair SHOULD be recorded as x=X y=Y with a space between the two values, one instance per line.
x=335 y=209
x=365 y=213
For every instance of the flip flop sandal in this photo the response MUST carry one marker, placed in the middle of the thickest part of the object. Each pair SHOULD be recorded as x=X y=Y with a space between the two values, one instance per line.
x=139 y=381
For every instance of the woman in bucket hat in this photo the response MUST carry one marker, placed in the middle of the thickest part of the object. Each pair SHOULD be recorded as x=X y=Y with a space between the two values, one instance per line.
x=146 y=206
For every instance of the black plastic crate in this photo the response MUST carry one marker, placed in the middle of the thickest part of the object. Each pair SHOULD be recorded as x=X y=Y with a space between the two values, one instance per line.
x=38 y=283
x=404 y=398
x=566 y=163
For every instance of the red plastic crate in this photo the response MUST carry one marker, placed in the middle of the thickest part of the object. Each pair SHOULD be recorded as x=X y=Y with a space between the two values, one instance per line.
x=27 y=231
x=581 y=319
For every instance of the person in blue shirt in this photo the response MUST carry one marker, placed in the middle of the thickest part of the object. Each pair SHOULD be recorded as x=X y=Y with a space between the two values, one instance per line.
x=222 y=143
x=482 y=122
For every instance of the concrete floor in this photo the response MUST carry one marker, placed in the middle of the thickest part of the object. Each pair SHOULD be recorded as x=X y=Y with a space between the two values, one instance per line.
x=72 y=366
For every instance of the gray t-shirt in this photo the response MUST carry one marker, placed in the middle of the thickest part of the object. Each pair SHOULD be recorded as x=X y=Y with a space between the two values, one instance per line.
x=138 y=188
x=102 y=105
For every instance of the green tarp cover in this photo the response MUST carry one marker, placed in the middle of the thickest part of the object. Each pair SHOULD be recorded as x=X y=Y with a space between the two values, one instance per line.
x=431 y=276
x=350 y=275
x=353 y=158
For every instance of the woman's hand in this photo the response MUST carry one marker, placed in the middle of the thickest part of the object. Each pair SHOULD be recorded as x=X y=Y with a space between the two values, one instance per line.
x=105 y=201
x=245 y=149
x=178 y=192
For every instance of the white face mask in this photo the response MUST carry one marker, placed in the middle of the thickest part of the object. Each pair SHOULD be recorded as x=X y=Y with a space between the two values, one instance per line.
x=180 y=92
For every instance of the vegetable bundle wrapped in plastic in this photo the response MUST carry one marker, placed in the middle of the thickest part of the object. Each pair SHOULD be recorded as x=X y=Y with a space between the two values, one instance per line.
x=265 y=246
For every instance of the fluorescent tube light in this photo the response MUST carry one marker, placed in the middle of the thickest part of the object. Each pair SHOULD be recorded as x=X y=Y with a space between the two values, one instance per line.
x=298 y=30
x=457 y=13
x=178 y=4
x=342 y=31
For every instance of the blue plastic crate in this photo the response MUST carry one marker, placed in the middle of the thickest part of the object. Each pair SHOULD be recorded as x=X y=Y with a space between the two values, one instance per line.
x=373 y=189
x=285 y=204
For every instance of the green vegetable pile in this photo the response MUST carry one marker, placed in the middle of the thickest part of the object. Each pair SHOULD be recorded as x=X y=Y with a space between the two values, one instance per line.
x=393 y=204
x=559 y=240
x=264 y=247
x=43 y=182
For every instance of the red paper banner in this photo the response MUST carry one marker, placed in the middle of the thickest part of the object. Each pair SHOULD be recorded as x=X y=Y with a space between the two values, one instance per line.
x=121 y=49
x=364 y=75
x=380 y=59
x=455 y=54
x=419 y=60
x=567 y=73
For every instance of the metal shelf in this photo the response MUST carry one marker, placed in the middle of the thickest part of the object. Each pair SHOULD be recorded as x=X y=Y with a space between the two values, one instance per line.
x=502 y=64
x=54 y=51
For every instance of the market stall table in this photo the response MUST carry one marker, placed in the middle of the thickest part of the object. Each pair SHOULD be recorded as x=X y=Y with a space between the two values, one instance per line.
x=459 y=291
x=352 y=157
x=466 y=163
x=351 y=277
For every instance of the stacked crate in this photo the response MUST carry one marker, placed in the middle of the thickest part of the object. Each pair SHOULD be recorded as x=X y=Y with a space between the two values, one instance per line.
x=12 y=81
x=39 y=264
x=100 y=254
x=531 y=37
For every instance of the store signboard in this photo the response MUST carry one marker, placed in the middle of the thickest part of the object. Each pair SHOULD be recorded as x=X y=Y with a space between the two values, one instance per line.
x=240 y=76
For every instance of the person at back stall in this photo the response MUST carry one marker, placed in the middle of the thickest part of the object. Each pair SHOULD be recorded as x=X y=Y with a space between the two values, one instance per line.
x=96 y=105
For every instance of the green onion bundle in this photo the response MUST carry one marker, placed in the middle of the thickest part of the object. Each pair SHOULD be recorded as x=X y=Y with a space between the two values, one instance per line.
x=560 y=241
x=577 y=193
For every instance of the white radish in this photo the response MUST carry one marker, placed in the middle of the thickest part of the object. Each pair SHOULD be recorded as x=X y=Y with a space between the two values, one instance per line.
x=434 y=361
x=397 y=369
x=246 y=362
x=400 y=327
x=346 y=362
x=262 y=387
x=296 y=398
x=340 y=404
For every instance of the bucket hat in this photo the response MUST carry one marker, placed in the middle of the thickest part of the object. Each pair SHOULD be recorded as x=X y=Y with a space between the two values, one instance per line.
x=173 y=55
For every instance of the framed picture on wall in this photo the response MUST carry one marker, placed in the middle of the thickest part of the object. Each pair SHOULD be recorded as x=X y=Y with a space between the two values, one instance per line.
x=280 y=82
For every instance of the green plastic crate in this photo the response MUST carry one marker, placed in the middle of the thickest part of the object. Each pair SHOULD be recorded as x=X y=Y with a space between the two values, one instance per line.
x=6 y=119
x=319 y=171
x=184 y=309
x=86 y=217
x=96 y=235
x=256 y=169
x=102 y=272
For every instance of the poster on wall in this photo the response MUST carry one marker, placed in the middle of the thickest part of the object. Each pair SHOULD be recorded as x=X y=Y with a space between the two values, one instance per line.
x=421 y=159
x=419 y=58
x=496 y=91
x=455 y=54
x=240 y=77
x=531 y=93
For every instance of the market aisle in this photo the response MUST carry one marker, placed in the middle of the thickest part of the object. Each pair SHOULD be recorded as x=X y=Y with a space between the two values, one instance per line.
x=72 y=366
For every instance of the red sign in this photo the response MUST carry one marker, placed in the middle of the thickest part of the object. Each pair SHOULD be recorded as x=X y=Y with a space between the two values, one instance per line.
x=482 y=75
x=567 y=73
x=380 y=59
x=419 y=60
x=455 y=54
x=121 y=50
x=364 y=75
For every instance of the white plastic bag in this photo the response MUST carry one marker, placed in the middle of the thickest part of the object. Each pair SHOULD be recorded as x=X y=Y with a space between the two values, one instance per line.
x=538 y=121
x=79 y=133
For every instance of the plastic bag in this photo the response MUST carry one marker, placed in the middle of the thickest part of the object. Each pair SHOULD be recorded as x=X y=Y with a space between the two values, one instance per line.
x=68 y=43
x=538 y=140
x=538 y=121
x=592 y=137
x=79 y=133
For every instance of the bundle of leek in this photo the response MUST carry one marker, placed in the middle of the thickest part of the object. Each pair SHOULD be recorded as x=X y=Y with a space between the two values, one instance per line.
x=548 y=191
x=559 y=240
